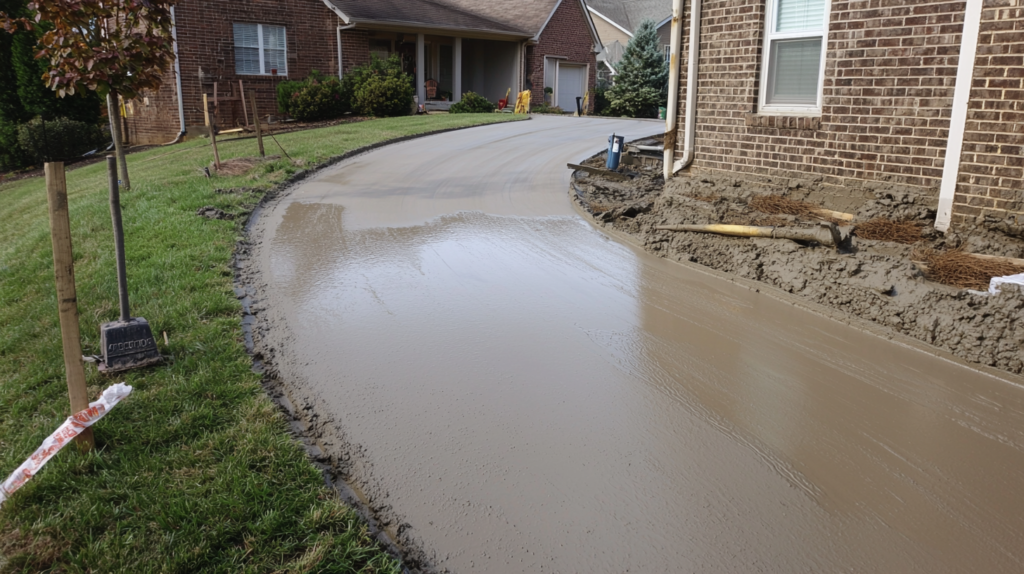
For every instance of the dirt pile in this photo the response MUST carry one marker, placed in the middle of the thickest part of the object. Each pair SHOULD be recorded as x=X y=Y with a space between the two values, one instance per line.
x=873 y=275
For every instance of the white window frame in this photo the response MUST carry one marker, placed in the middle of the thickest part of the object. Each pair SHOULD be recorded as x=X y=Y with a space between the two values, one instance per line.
x=263 y=58
x=771 y=16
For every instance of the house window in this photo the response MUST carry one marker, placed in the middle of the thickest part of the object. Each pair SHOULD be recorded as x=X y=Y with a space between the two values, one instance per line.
x=668 y=54
x=794 y=56
x=260 y=50
x=380 y=48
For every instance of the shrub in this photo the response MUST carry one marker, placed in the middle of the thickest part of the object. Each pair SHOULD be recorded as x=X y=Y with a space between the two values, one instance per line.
x=314 y=99
x=602 y=105
x=380 y=88
x=58 y=139
x=544 y=108
x=383 y=96
x=472 y=103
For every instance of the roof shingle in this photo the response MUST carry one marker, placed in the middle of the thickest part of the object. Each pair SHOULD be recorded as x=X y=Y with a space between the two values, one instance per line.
x=520 y=17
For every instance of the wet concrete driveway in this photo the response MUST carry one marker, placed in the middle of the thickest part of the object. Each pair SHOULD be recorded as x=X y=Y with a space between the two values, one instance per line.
x=518 y=392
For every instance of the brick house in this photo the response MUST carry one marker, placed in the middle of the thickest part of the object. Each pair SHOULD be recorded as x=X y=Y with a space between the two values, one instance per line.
x=462 y=45
x=853 y=91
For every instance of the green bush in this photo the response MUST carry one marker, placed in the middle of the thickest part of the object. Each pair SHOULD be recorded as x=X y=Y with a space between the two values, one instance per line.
x=59 y=139
x=602 y=106
x=380 y=88
x=383 y=96
x=544 y=108
x=472 y=103
x=316 y=98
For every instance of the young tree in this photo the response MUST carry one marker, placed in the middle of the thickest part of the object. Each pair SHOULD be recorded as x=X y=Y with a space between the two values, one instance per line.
x=116 y=48
x=642 y=82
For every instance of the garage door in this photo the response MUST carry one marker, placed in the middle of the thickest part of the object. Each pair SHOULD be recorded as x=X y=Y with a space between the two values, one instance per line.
x=571 y=80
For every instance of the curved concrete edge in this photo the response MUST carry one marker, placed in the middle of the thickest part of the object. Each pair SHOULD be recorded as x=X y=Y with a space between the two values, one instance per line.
x=307 y=431
x=858 y=323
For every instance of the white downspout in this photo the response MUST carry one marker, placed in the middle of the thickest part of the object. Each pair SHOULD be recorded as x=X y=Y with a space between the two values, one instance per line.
x=958 y=121
x=177 y=77
x=671 y=121
x=341 y=72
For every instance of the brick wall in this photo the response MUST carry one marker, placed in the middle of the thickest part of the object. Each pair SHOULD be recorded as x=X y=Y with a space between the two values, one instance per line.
x=992 y=163
x=206 y=49
x=567 y=34
x=888 y=87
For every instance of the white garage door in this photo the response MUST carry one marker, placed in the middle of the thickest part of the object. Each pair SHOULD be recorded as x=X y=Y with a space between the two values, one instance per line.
x=571 y=82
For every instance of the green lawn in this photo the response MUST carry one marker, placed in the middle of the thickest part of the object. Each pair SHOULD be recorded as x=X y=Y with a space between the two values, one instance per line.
x=195 y=471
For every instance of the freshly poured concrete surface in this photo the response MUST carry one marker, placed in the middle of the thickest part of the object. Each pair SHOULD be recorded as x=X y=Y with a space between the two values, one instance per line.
x=526 y=394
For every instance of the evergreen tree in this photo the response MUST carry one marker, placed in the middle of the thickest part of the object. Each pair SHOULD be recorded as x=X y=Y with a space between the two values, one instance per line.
x=641 y=85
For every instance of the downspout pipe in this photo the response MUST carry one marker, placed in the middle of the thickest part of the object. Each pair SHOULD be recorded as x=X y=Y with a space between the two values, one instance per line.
x=689 y=127
x=341 y=28
x=177 y=78
x=958 y=119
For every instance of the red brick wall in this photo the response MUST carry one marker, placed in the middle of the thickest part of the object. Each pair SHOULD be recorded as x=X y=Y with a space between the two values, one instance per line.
x=206 y=43
x=567 y=34
x=991 y=175
x=888 y=87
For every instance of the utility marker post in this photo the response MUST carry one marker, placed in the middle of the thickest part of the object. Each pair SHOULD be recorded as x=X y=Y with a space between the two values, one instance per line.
x=256 y=121
x=213 y=136
x=67 y=298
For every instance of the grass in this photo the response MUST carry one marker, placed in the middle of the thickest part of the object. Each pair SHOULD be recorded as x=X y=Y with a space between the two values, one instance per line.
x=195 y=471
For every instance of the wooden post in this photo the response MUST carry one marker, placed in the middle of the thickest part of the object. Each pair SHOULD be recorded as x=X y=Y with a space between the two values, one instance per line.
x=67 y=299
x=241 y=96
x=256 y=121
x=213 y=136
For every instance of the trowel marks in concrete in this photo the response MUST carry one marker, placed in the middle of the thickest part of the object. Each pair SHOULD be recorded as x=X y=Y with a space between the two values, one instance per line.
x=528 y=395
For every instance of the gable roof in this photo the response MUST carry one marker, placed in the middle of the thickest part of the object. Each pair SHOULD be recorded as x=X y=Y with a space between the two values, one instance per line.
x=525 y=18
x=628 y=14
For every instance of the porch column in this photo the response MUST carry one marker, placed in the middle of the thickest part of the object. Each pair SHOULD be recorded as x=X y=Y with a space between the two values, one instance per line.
x=516 y=74
x=457 y=96
x=421 y=91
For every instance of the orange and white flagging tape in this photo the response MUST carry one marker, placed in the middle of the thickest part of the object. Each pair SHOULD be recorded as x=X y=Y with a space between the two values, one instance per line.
x=71 y=428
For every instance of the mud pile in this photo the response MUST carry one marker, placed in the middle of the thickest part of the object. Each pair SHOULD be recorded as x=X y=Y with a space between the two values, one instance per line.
x=875 y=280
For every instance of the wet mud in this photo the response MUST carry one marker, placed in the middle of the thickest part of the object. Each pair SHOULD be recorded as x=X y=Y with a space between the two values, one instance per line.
x=505 y=388
x=874 y=280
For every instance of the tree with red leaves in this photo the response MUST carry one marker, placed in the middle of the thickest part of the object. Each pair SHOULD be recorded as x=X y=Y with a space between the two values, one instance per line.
x=117 y=48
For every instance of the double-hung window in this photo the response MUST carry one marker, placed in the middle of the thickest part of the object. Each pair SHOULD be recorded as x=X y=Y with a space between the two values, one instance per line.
x=260 y=49
x=794 y=56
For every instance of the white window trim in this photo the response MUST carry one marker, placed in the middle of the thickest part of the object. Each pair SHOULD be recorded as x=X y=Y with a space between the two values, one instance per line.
x=783 y=110
x=263 y=59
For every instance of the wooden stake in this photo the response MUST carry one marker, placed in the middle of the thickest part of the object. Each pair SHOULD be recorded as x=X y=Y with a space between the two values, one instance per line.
x=67 y=298
x=241 y=96
x=213 y=136
x=256 y=121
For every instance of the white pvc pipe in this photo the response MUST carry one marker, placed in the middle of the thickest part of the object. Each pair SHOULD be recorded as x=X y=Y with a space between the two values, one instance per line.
x=958 y=121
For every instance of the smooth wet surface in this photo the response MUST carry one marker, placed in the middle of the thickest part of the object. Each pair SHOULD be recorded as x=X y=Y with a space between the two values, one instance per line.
x=530 y=395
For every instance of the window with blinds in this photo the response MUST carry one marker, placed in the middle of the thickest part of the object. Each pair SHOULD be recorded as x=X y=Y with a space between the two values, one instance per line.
x=260 y=49
x=794 y=55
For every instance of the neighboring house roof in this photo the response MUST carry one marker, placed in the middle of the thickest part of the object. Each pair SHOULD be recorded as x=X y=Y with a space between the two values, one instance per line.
x=525 y=18
x=628 y=14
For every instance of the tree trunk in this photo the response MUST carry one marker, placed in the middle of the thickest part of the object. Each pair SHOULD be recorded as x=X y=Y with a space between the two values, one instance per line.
x=114 y=111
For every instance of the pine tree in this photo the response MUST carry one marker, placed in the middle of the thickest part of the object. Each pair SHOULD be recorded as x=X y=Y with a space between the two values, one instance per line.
x=641 y=85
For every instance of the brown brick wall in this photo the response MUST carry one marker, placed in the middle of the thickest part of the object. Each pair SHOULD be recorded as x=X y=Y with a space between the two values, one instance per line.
x=888 y=88
x=992 y=163
x=206 y=43
x=567 y=34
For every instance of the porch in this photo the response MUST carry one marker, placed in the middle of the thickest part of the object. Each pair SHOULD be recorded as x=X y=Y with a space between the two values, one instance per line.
x=443 y=67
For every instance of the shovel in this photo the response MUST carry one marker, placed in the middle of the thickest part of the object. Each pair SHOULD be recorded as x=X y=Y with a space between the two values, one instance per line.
x=127 y=343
